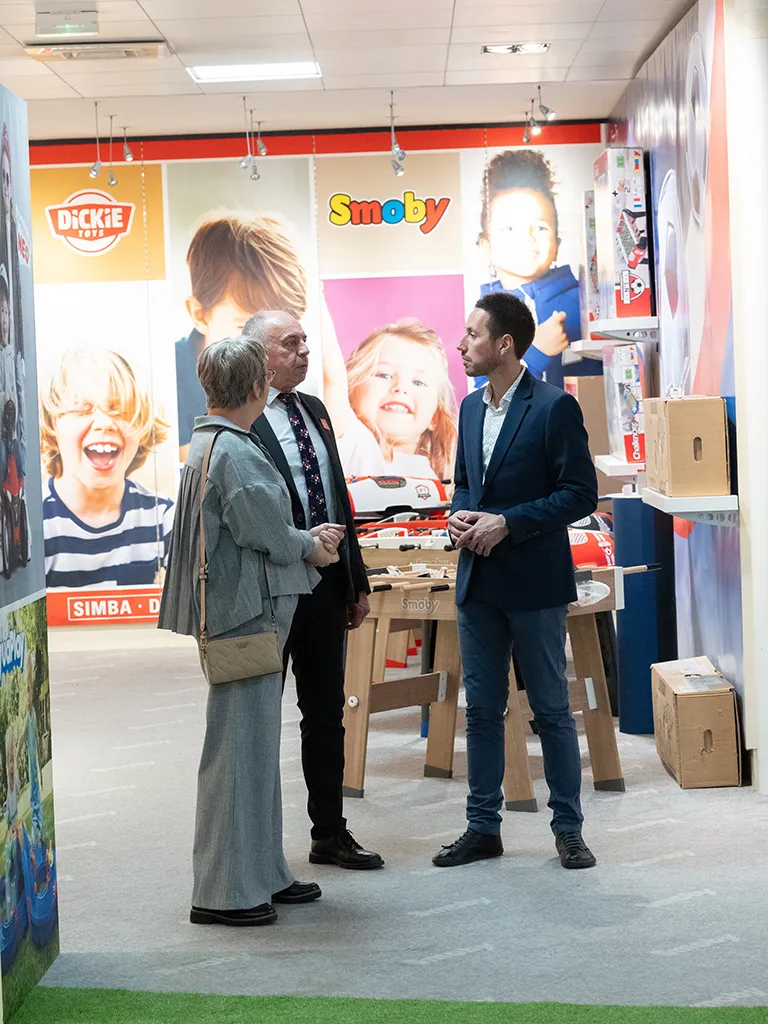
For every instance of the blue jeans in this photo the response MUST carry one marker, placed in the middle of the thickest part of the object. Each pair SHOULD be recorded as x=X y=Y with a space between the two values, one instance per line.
x=487 y=635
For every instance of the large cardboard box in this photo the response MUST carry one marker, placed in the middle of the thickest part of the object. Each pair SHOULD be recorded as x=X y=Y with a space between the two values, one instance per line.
x=621 y=220
x=696 y=724
x=686 y=442
x=589 y=392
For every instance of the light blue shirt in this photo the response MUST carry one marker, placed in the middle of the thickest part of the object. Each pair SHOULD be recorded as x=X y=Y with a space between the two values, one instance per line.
x=280 y=421
x=494 y=418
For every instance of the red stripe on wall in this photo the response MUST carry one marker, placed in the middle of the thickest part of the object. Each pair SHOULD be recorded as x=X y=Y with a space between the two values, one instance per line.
x=416 y=139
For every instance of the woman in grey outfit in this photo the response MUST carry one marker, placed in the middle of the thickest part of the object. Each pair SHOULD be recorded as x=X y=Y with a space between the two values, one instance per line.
x=256 y=558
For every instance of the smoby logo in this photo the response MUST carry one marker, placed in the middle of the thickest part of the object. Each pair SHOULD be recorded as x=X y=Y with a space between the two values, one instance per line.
x=427 y=213
x=90 y=222
x=12 y=649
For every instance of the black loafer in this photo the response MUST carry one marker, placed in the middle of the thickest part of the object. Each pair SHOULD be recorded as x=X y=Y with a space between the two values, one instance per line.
x=345 y=852
x=263 y=914
x=573 y=851
x=298 y=892
x=468 y=848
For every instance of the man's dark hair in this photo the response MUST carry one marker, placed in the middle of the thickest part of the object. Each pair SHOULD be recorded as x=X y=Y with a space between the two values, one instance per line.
x=509 y=315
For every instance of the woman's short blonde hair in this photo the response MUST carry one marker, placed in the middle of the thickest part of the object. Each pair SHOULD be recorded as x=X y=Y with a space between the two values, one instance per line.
x=121 y=396
x=231 y=370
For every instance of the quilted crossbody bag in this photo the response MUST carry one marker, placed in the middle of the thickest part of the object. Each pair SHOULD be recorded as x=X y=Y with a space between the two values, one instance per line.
x=242 y=657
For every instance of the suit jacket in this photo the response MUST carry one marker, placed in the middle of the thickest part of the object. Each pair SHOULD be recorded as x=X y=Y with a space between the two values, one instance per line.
x=349 y=552
x=540 y=478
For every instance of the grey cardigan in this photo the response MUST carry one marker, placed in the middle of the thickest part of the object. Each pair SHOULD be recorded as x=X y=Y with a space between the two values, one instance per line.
x=247 y=518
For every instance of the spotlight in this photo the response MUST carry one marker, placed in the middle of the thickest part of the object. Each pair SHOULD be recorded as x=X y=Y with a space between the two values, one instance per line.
x=261 y=146
x=127 y=154
x=112 y=180
x=546 y=112
x=94 y=171
x=527 y=135
x=533 y=124
x=245 y=163
x=255 y=173
x=398 y=154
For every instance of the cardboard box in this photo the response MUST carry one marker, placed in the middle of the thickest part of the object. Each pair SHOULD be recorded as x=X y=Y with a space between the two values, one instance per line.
x=589 y=392
x=621 y=220
x=696 y=724
x=624 y=384
x=686 y=442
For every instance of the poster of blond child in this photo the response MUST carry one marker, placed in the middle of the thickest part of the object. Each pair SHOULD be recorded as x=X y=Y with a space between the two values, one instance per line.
x=392 y=403
x=98 y=427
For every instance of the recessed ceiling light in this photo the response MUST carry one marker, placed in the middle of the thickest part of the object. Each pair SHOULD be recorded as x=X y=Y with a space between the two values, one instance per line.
x=208 y=73
x=516 y=48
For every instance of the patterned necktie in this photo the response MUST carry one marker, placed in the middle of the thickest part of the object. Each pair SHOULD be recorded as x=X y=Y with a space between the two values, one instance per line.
x=318 y=509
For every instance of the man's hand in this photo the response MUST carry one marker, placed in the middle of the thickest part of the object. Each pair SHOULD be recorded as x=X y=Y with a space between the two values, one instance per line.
x=484 y=534
x=550 y=337
x=357 y=612
x=459 y=523
x=331 y=535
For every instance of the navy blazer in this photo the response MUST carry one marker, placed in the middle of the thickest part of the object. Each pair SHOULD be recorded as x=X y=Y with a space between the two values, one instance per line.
x=350 y=555
x=540 y=478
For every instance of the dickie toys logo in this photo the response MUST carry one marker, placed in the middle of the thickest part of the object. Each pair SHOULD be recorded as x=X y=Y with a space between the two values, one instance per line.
x=90 y=222
x=427 y=213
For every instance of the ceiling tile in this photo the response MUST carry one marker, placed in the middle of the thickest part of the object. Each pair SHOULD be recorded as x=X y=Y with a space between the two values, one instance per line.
x=50 y=88
x=384 y=38
x=392 y=60
x=609 y=72
x=638 y=31
x=414 y=18
x=21 y=67
x=607 y=55
x=97 y=90
x=230 y=28
x=312 y=8
x=255 y=89
x=469 y=58
x=511 y=76
x=506 y=33
x=245 y=49
x=170 y=10
x=70 y=70
x=529 y=14
x=399 y=80
x=662 y=11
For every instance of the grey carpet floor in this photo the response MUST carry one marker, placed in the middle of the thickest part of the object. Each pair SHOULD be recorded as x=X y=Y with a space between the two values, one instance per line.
x=673 y=914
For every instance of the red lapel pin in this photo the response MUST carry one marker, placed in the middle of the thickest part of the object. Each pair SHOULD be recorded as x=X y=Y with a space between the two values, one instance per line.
x=325 y=424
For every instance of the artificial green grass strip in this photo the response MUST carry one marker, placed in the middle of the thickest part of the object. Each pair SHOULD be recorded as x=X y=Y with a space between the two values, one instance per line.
x=114 y=1006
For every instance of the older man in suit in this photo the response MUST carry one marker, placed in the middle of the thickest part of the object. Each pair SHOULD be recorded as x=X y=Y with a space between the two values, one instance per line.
x=297 y=432
x=523 y=473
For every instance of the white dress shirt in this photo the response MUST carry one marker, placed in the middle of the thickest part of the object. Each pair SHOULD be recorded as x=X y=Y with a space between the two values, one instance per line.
x=279 y=419
x=494 y=419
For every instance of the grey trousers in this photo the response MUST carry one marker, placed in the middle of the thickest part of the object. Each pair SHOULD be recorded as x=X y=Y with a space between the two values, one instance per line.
x=238 y=858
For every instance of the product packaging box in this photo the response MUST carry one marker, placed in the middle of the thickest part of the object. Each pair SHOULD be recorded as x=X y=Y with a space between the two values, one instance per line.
x=589 y=392
x=687 y=446
x=696 y=724
x=624 y=384
x=622 y=230
x=589 y=282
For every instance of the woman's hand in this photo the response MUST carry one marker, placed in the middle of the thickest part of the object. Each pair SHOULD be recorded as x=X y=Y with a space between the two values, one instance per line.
x=331 y=534
x=322 y=555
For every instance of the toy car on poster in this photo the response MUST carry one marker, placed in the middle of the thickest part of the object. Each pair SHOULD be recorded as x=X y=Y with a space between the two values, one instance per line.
x=374 y=497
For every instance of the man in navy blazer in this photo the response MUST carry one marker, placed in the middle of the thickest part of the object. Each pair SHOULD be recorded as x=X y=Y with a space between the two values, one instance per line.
x=523 y=473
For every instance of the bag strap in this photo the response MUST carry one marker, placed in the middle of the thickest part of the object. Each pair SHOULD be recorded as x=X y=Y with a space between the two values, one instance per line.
x=203 y=567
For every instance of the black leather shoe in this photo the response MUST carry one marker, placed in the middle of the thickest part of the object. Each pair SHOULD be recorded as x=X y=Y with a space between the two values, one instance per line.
x=298 y=892
x=574 y=852
x=345 y=852
x=467 y=848
x=264 y=914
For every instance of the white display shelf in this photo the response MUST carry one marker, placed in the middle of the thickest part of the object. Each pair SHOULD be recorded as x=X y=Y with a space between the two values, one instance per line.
x=609 y=465
x=714 y=509
x=626 y=330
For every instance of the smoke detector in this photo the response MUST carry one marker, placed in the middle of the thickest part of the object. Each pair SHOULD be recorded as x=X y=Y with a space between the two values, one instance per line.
x=150 y=49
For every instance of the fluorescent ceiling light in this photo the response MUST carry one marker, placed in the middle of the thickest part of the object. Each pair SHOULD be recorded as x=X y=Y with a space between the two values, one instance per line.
x=516 y=48
x=208 y=73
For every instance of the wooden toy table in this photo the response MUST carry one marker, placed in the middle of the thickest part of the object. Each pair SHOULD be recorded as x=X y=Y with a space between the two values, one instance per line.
x=405 y=604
